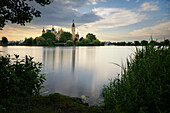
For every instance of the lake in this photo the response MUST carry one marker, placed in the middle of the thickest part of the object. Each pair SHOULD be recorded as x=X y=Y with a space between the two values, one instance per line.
x=75 y=71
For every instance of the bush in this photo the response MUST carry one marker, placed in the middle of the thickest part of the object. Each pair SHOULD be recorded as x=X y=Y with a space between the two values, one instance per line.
x=69 y=43
x=144 y=86
x=20 y=77
x=59 y=44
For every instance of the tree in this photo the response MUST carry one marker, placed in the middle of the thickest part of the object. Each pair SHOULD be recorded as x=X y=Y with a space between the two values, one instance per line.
x=96 y=42
x=49 y=35
x=77 y=43
x=144 y=42
x=19 y=11
x=28 y=41
x=166 y=42
x=65 y=36
x=81 y=39
x=87 y=42
x=152 y=42
x=4 y=40
x=49 y=42
x=40 y=41
x=69 y=43
x=91 y=37
x=136 y=43
x=129 y=44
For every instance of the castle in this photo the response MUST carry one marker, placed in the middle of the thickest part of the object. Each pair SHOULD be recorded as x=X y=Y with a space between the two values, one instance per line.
x=58 y=33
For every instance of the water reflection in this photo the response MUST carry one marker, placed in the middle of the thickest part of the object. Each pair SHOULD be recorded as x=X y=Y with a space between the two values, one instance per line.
x=67 y=72
x=75 y=71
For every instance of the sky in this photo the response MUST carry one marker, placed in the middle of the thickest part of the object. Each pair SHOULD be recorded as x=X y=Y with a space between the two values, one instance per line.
x=109 y=20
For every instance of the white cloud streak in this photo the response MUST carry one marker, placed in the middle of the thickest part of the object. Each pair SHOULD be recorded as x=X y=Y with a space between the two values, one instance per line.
x=111 y=18
x=158 y=31
x=149 y=6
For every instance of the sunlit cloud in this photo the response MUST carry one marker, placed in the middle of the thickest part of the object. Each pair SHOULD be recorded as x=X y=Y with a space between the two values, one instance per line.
x=149 y=6
x=111 y=18
x=137 y=1
x=158 y=31
x=128 y=0
x=16 y=32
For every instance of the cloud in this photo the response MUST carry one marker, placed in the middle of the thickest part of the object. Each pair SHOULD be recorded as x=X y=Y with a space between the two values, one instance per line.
x=58 y=13
x=158 y=31
x=16 y=32
x=111 y=18
x=149 y=6
x=137 y=1
x=128 y=0
x=61 y=13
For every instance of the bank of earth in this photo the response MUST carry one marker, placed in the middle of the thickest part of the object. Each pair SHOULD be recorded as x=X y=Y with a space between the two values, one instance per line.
x=53 y=103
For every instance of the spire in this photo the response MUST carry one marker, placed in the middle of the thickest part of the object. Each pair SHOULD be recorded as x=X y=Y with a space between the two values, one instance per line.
x=43 y=30
x=73 y=25
x=52 y=27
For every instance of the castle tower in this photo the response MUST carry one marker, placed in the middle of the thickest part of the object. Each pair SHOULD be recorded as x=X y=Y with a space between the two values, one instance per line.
x=73 y=28
x=53 y=30
x=43 y=31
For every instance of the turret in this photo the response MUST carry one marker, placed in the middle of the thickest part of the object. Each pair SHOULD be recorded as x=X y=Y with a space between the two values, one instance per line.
x=73 y=29
x=43 y=31
x=52 y=28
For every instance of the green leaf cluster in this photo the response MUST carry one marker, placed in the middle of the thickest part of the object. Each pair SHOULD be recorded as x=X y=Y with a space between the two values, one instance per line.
x=19 y=11
x=4 y=40
x=20 y=77
x=65 y=36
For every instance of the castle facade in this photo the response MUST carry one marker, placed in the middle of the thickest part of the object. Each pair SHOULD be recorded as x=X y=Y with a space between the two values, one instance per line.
x=58 y=33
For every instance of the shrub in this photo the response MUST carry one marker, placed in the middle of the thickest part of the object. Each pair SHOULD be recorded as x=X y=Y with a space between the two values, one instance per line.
x=69 y=43
x=59 y=44
x=144 y=86
x=20 y=77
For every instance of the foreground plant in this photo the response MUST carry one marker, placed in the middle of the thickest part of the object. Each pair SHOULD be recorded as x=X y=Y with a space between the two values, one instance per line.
x=144 y=86
x=20 y=77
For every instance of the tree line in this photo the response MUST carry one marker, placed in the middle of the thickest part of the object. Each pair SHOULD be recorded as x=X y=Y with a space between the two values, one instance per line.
x=49 y=39
x=141 y=43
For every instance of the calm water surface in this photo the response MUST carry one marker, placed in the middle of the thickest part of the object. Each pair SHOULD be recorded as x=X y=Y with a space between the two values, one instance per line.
x=75 y=71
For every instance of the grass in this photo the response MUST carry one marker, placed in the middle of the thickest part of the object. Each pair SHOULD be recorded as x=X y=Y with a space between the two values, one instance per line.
x=54 y=103
x=144 y=85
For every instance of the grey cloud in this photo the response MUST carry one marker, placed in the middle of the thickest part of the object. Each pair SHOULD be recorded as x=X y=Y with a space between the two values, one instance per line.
x=60 y=13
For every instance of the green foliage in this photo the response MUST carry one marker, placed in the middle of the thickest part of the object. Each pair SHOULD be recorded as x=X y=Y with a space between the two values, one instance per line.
x=19 y=11
x=53 y=103
x=4 y=40
x=50 y=42
x=49 y=35
x=91 y=37
x=40 y=41
x=137 y=43
x=77 y=43
x=65 y=36
x=144 y=86
x=69 y=43
x=28 y=41
x=81 y=39
x=59 y=44
x=20 y=77
x=84 y=42
x=144 y=42
x=102 y=43
x=96 y=42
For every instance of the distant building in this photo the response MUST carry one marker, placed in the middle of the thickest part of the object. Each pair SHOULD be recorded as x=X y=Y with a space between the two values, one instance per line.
x=73 y=29
x=58 y=33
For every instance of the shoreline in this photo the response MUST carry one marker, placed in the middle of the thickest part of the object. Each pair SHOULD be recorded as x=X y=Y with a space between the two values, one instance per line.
x=51 y=103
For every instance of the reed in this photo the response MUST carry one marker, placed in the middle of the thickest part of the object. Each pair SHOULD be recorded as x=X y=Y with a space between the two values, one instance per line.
x=144 y=85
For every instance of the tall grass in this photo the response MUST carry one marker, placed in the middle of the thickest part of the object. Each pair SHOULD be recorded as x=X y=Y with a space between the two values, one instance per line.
x=145 y=84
